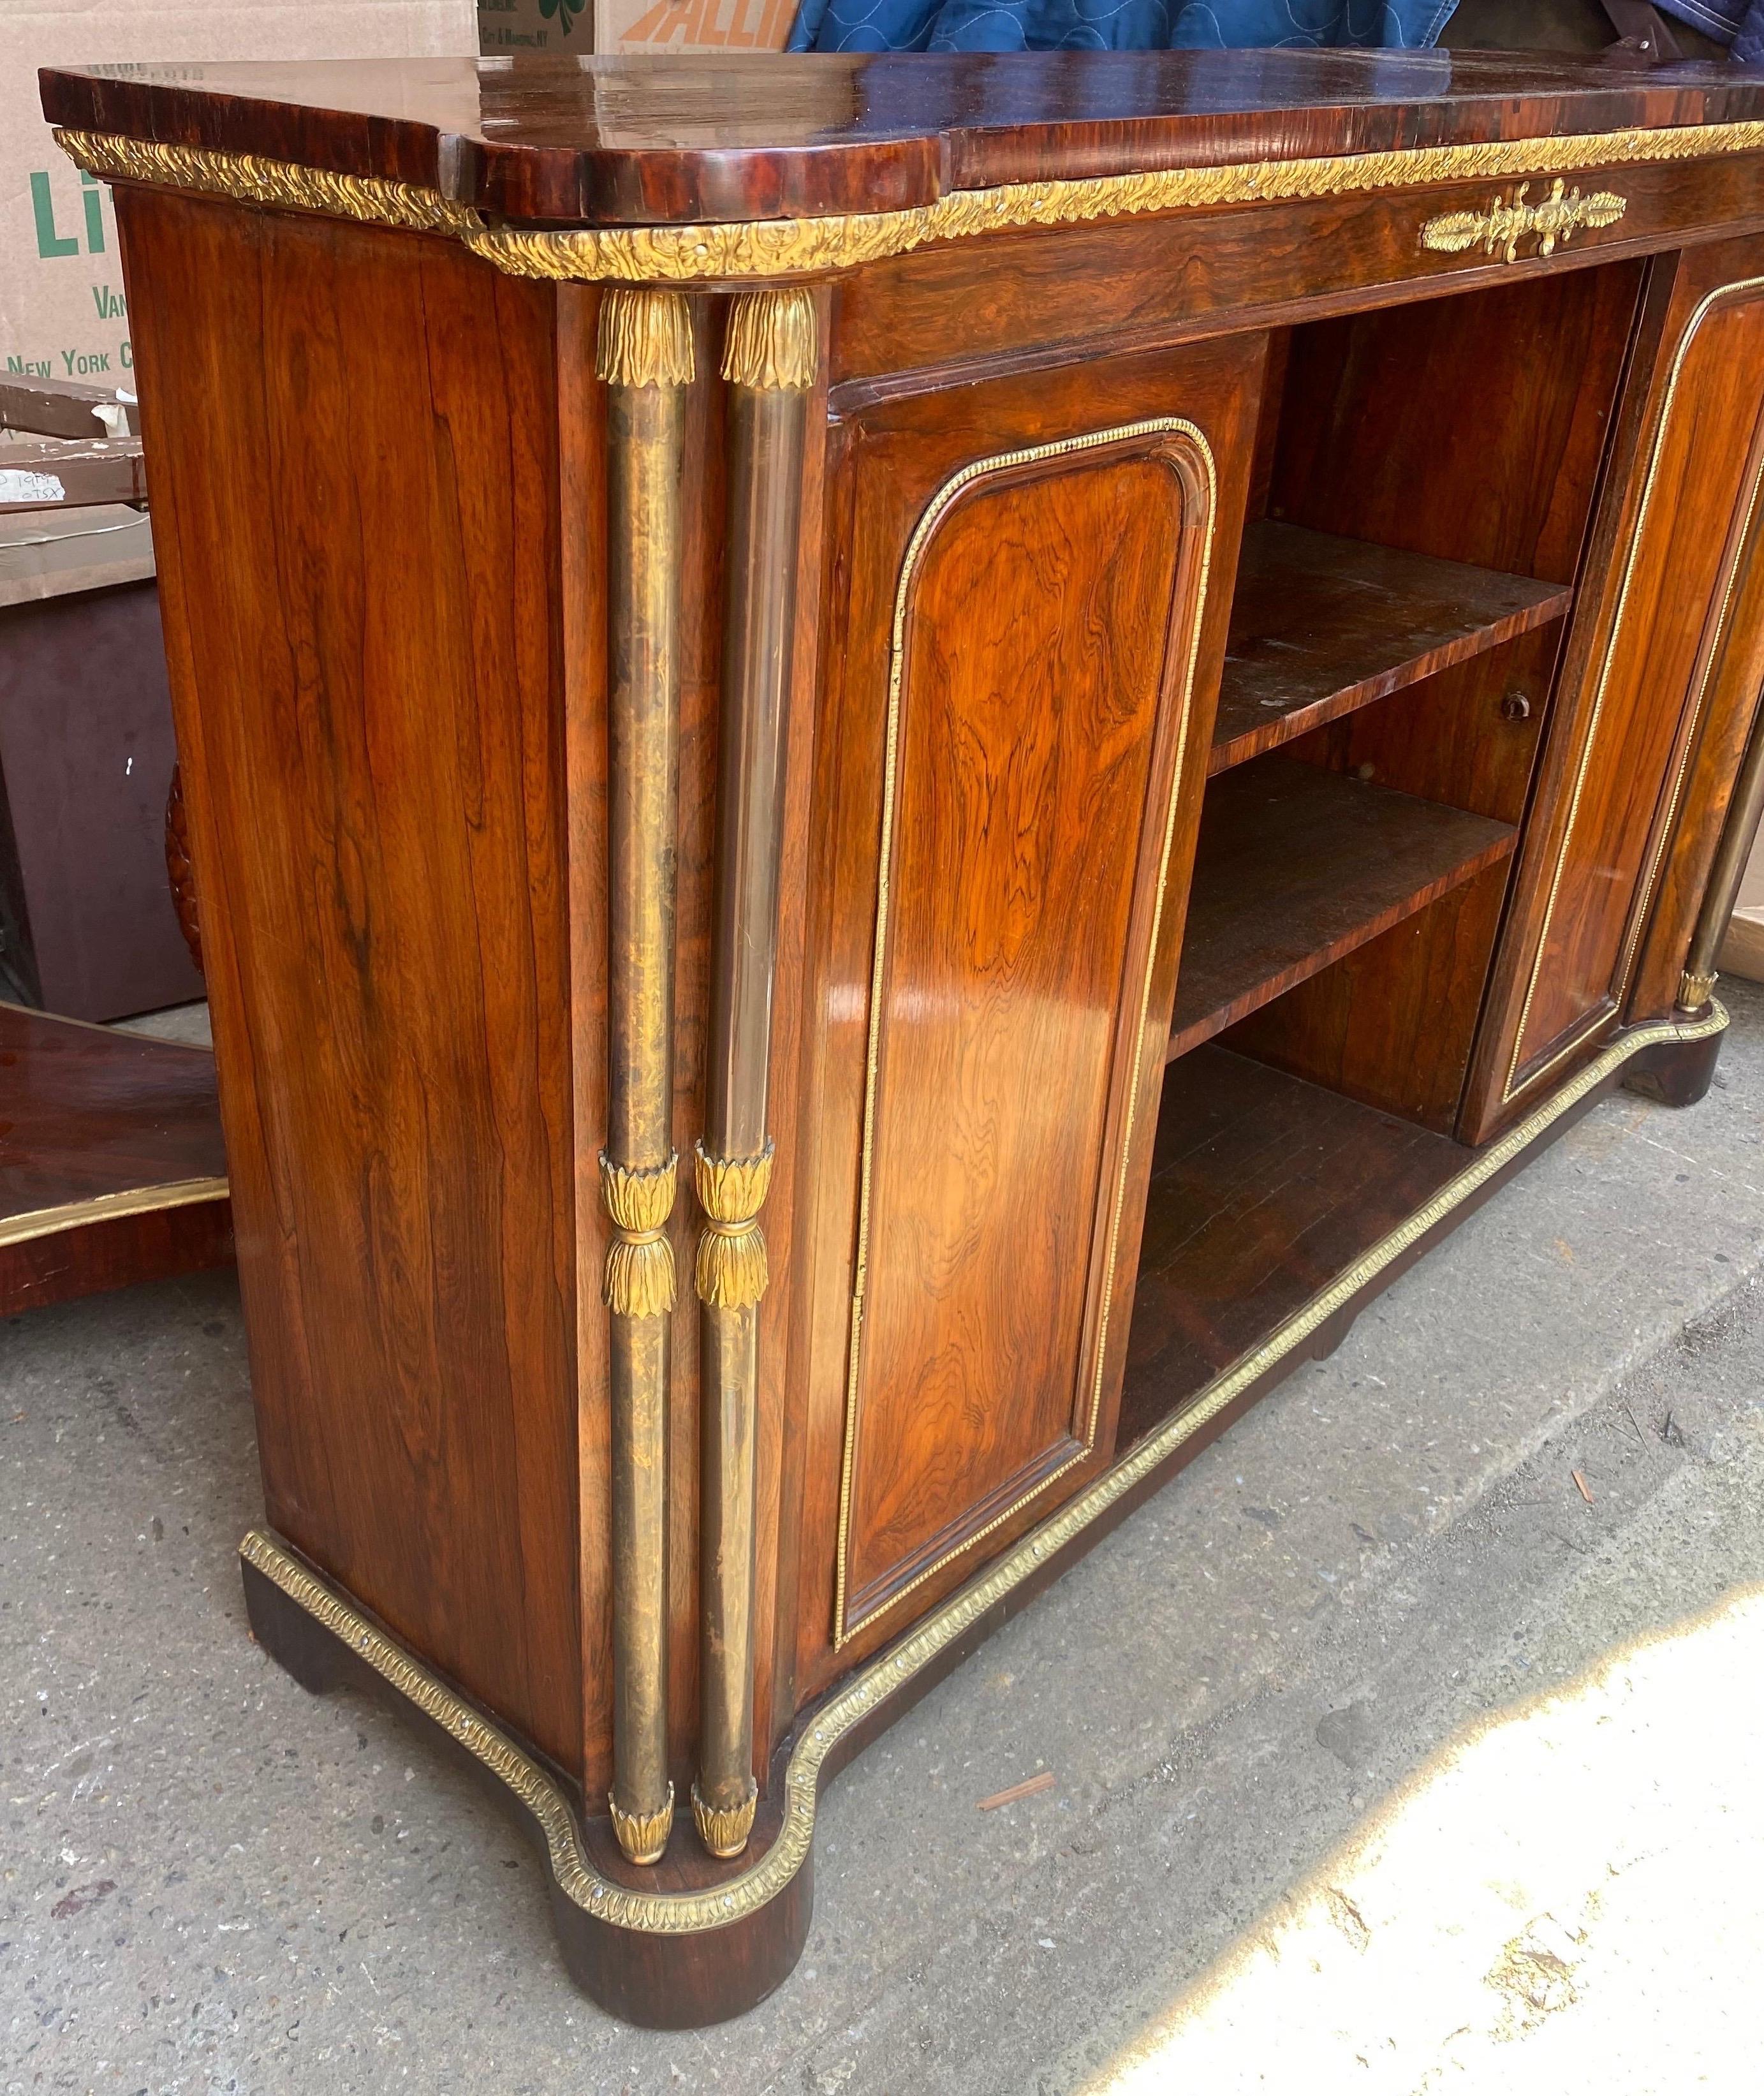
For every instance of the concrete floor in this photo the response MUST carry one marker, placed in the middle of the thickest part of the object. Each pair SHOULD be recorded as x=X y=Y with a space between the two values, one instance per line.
x=211 y=1881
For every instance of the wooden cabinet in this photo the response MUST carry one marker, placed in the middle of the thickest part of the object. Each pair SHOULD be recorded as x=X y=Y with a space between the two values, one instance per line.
x=884 y=812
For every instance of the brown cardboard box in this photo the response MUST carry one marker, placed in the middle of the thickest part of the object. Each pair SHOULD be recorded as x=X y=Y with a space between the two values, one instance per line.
x=563 y=26
x=686 y=26
x=693 y=25
x=62 y=308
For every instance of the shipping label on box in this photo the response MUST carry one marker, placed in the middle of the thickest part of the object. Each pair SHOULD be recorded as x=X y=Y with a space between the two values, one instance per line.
x=63 y=314
x=513 y=26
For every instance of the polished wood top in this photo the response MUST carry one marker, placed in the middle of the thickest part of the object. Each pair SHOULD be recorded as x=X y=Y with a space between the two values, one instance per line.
x=649 y=141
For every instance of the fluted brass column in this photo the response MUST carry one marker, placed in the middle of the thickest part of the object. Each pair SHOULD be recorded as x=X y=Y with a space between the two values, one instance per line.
x=1744 y=812
x=644 y=359
x=769 y=362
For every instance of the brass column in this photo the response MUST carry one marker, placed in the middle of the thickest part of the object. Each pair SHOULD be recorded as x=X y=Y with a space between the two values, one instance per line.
x=1744 y=810
x=644 y=359
x=769 y=362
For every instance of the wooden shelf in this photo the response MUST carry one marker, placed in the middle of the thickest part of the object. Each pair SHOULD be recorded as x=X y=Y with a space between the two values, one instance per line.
x=1320 y=626
x=1263 y=1189
x=1297 y=866
x=114 y=1171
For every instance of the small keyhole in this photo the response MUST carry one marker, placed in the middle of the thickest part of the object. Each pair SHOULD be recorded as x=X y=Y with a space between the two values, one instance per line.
x=1516 y=706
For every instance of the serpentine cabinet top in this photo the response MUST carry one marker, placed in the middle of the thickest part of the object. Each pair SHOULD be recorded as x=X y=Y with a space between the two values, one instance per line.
x=879 y=153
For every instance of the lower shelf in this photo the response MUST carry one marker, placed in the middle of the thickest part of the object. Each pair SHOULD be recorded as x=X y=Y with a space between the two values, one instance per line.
x=1263 y=1189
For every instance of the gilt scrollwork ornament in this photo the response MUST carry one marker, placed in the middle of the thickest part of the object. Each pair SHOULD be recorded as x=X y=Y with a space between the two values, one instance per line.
x=1554 y=220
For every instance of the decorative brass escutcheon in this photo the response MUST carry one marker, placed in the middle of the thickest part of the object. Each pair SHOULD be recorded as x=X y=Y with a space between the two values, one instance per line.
x=1557 y=218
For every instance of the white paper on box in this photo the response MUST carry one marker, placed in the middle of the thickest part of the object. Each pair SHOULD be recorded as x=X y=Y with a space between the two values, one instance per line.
x=688 y=27
x=63 y=311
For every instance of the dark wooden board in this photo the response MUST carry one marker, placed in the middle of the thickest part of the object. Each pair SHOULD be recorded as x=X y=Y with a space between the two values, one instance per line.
x=1263 y=1189
x=86 y=1113
x=638 y=140
x=1298 y=865
x=1321 y=626
x=153 y=1244
x=90 y=1122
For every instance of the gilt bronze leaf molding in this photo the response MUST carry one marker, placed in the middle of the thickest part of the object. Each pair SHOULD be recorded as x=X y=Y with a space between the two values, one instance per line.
x=787 y=247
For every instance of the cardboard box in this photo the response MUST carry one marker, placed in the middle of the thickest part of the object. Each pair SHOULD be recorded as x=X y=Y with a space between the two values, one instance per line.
x=685 y=26
x=62 y=312
x=693 y=25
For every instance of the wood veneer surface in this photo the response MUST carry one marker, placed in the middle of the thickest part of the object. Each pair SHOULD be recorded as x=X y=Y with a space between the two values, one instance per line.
x=636 y=140
x=84 y=1112
x=1322 y=625
x=1039 y=690
x=369 y=713
x=1263 y=1188
x=1296 y=866
x=1069 y=610
x=87 y=1114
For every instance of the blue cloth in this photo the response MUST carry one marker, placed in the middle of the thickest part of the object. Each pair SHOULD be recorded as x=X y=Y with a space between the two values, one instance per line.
x=1738 y=23
x=1116 y=25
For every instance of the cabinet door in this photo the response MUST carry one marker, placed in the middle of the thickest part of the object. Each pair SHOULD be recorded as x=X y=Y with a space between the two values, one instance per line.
x=1668 y=583
x=1038 y=575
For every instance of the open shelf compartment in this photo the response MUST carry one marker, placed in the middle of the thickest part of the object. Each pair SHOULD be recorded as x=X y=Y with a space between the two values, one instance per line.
x=1321 y=626
x=1263 y=1189
x=1297 y=866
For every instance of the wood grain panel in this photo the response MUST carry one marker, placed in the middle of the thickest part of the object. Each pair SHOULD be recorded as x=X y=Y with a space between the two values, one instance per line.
x=1322 y=626
x=369 y=717
x=1703 y=788
x=1472 y=430
x=1296 y=866
x=954 y=315
x=1645 y=653
x=1045 y=658
x=882 y=473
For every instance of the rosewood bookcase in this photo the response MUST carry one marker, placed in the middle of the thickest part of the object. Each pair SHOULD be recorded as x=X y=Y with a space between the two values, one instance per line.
x=898 y=767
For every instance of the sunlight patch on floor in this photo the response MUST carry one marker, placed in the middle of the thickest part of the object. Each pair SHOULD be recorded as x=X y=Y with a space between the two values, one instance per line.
x=1569 y=1897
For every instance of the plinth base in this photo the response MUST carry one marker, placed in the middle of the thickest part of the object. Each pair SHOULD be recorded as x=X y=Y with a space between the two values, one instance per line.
x=680 y=1957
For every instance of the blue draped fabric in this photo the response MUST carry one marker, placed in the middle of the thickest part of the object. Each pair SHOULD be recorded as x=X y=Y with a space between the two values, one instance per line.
x=1739 y=22
x=1119 y=25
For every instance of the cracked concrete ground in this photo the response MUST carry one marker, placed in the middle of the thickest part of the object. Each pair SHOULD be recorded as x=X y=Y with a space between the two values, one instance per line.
x=214 y=1882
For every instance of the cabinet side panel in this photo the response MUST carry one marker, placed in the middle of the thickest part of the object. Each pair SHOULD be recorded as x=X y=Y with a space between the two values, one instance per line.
x=1702 y=789
x=1649 y=635
x=352 y=436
